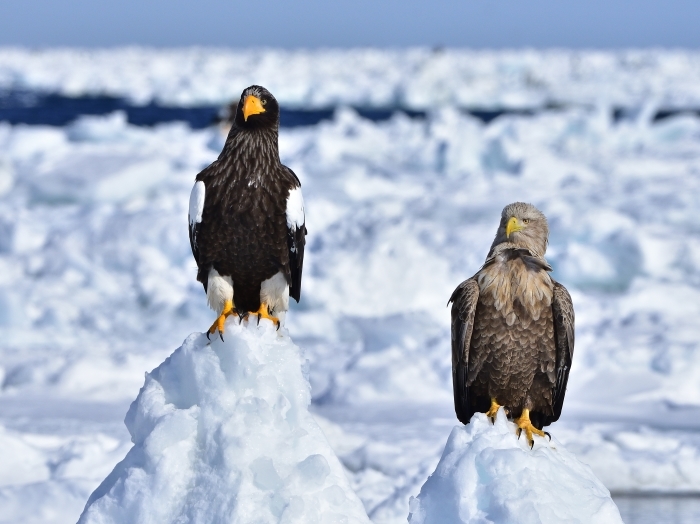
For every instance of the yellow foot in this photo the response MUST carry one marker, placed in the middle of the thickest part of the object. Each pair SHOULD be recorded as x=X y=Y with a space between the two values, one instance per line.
x=219 y=322
x=264 y=312
x=523 y=423
x=493 y=410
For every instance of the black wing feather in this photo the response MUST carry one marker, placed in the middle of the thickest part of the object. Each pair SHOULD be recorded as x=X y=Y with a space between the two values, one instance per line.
x=209 y=176
x=464 y=301
x=193 y=241
x=563 y=316
x=296 y=240
x=195 y=230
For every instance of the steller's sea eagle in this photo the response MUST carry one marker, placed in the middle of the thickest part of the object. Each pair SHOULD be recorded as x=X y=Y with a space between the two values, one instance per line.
x=246 y=219
x=513 y=329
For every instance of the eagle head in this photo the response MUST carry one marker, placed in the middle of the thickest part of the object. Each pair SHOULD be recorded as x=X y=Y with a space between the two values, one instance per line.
x=257 y=109
x=523 y=226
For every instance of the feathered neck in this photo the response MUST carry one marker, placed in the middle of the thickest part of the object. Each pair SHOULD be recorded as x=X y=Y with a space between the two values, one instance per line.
x=525 y=245
x=260 y=142
x=510 y=250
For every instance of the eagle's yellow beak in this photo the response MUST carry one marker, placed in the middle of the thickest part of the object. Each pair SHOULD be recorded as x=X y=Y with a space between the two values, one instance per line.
x=252 y=106
x=513 y=226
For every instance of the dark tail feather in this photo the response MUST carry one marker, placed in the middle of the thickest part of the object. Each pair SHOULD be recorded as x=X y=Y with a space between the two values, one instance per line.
x=459 y=388
x=538 y=419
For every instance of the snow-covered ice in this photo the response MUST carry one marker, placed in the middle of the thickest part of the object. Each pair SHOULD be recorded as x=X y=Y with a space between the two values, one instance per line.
x=417 y=78
x=97 y=282
x=486 y=476
x=222 y=433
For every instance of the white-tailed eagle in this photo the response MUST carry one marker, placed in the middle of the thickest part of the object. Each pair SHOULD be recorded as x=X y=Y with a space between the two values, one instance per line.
x=513 y=329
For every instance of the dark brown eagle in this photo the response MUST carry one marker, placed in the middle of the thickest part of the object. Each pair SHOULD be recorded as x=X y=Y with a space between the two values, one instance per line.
x=513 y=329
x=247 y=222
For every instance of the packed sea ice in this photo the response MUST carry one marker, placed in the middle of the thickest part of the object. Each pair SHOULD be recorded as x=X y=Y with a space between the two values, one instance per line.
x=414 y=78
x=97 y=282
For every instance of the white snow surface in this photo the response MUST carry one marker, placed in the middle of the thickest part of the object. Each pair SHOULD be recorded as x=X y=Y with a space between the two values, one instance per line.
x=222 y=433
x=486 y=476
x=418 y=78
x=97 y=281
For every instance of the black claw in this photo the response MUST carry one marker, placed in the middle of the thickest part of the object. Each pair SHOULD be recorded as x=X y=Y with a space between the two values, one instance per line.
x=519 y=432
x=208 y=335
x=221 y=336
x=550 y=436
x=532 y=444
x=278 y=326
x=258 y=323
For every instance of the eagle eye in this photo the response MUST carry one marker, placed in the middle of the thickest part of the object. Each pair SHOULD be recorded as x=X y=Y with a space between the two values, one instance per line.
x=263 y=101
x=526 y=220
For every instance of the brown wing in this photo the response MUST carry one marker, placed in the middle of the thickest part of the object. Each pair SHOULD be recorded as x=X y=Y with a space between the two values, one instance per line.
x=464 y=300
x=563 y=316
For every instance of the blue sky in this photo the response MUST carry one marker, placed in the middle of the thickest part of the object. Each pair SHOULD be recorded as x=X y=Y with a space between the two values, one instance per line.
x=344 y=23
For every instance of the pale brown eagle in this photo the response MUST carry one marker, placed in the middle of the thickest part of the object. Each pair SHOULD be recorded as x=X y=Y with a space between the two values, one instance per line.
x=513 y=329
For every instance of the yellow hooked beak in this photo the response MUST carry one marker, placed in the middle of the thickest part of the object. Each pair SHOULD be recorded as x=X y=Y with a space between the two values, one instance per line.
x=513 y=226
x=252 y=106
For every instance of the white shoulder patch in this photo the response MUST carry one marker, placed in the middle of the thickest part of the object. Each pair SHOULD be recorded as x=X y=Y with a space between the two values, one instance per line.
x=295 y=209
x=196 y=203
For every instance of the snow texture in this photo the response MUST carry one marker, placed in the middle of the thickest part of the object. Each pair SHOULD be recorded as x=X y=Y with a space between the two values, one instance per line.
x=487 y=476
x=98 y=284
x=417 y=78
x=222 y=433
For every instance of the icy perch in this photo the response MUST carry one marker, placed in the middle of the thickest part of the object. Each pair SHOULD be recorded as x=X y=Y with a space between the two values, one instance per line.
x=487 y=476
x=222 y=434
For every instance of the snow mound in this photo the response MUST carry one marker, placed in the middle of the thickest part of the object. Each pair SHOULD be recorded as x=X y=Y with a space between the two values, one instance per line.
x=486 y=475
x=222 y=433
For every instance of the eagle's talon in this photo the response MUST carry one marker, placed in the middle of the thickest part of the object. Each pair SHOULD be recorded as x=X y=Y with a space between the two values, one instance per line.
x=220 y=321
x=264 y=312
x=548 y=435
x=493 y=411
x=523 y=422
x=518 y=432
